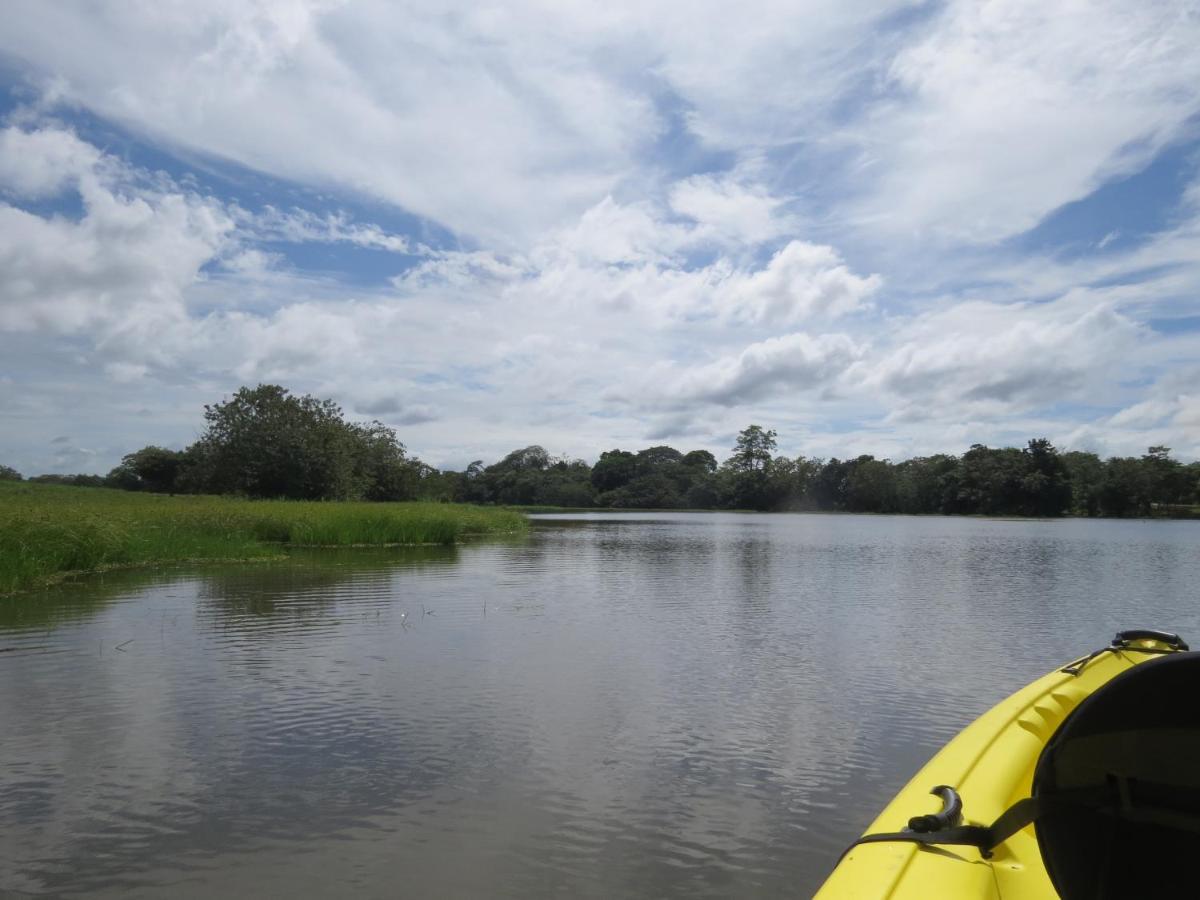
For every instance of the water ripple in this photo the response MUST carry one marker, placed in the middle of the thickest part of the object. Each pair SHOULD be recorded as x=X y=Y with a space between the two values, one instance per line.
x=639 y=705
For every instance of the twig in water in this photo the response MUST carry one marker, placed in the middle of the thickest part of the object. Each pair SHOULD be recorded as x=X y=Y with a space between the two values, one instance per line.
x=121 y=645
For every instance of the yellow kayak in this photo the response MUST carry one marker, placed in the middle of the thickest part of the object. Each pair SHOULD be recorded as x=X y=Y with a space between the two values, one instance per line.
x=1086 y=783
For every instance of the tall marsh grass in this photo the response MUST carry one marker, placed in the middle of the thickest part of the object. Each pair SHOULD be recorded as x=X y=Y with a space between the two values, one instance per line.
x=48 y=531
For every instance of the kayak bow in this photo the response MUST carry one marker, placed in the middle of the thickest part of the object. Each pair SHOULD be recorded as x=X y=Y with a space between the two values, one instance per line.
x=1083 y=784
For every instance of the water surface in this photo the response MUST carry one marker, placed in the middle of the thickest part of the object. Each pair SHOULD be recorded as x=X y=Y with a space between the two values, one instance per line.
x=638 y=705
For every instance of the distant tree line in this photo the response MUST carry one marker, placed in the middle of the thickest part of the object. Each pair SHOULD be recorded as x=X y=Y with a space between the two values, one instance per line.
x=1036 y=480
x=266 y=442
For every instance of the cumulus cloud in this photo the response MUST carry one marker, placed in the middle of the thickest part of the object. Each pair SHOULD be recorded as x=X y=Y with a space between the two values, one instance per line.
x=1169 y=414
x=121 y=268
x=662 y=221
x=801 y=281
x=789 y=364
x=44 y=161
x=1002 y=357
x=633 y=259
x=730 y=210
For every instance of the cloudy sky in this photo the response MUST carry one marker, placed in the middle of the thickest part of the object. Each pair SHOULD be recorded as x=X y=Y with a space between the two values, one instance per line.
x=890 y=228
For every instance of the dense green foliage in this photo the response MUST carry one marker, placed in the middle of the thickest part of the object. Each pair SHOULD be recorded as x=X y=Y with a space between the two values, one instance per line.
x=49 y=530
x=263 y=442
x=266 y=442
x=1035 y=480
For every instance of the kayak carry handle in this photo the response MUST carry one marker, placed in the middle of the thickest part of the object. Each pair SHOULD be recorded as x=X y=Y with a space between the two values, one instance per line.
x=949 y=817
x=1149 y=634
x=1124 y=640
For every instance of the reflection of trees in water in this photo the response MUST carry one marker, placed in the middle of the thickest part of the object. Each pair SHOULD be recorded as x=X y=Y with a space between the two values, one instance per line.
x=306 y=579
x=309 y=582
x=75 y=601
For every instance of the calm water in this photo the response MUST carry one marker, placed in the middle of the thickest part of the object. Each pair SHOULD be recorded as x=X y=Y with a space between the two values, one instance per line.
x=644 y=705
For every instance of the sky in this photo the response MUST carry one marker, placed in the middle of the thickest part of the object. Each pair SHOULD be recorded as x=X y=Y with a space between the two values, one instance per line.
x=895 y=228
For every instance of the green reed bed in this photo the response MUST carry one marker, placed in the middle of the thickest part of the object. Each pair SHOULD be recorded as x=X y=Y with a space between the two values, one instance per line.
x=48 y=531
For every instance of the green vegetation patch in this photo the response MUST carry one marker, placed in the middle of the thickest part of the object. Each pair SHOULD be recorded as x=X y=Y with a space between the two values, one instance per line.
x=48 y=531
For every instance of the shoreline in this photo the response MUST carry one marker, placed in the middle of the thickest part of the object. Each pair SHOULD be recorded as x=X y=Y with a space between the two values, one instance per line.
x=50 y=533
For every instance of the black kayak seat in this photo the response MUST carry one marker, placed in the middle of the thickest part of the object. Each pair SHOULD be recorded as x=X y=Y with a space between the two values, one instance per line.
x=1132 y=749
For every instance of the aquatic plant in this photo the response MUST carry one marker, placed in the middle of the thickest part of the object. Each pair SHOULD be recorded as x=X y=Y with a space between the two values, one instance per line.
x=49 y=531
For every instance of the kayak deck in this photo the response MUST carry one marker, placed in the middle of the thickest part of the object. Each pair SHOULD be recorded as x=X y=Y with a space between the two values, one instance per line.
x=991 y=764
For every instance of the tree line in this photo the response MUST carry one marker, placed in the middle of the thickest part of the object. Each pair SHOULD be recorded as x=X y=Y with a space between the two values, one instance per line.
x=266 y=442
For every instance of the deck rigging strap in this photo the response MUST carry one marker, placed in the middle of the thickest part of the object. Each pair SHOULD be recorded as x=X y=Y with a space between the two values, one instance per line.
x=1111 y=799
x=984 y=837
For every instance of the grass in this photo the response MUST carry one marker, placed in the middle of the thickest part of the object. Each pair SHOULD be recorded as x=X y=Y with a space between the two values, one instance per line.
x=48 y=532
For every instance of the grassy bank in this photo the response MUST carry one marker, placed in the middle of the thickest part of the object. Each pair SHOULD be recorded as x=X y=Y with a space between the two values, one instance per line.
x=47 y=531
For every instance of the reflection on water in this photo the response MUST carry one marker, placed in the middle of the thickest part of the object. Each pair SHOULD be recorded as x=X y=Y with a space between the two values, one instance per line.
x=642 y=705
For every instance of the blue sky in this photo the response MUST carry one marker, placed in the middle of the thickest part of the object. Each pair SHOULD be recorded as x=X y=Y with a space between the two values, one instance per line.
x=890 y=228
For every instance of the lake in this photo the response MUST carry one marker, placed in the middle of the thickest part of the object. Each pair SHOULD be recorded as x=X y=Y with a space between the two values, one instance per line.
x=640 y=705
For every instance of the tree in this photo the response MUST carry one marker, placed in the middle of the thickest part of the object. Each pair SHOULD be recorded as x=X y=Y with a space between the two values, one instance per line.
x=566 y=482
x=7 y=473
x=149 y=469
x=828 y=487
x=989 y=481
x=532 y=457
x=695 y=480
x=1046 y=486
x=517 y=478
x=871 y=486
x=747 y=467
x=382 y=468
x=653 y=491
x=656 y=459
x=1167 y=480
x=754 y=449
x=77 y=480
x=1124 y=491
x=1086 y=472
x=265 y=442
x=614 y=469
x=701 y=460
x=472 y=485
x=923 y=483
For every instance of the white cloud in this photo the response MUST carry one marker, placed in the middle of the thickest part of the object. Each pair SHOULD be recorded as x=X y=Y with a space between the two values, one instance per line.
x=302 y=226
x=789 y=364
x=43 y=162
x=971 y=121
x=768 y=72
x=801 y=281
x=730 y=211
x=667 y=203
x=1004 y=111
x=974 y=357
x=1146 y=414
x=496 y=125
x=122 y=268
x=488 y=123
x=632 y=258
